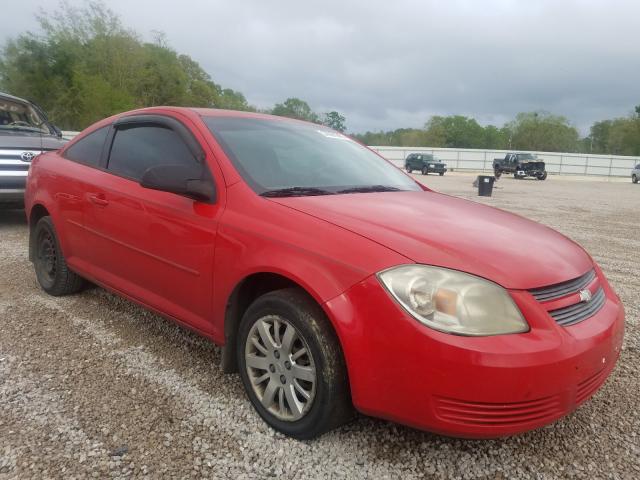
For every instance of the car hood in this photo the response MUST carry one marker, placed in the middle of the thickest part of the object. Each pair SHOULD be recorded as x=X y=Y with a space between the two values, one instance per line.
x=29 y=141
x=436 y=229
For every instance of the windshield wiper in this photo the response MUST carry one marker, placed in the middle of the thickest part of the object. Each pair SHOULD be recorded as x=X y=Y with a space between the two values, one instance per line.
x=295 y=192
x=370 y=188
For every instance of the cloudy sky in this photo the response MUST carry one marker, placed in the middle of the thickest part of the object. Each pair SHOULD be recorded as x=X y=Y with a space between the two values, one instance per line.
x=390 y=64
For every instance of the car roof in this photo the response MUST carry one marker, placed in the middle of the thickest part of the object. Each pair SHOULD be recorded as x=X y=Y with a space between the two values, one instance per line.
x=14 y=98
x=208 y=112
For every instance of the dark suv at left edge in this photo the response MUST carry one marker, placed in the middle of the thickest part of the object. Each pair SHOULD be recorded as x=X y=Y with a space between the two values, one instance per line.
x=25 y=132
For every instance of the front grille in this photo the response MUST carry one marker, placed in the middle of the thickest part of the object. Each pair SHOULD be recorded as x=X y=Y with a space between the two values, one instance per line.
x=498 y=414
x=560 y=290
x=576 y=312
x=16 y=153
x=580 y=311
x=14 y=167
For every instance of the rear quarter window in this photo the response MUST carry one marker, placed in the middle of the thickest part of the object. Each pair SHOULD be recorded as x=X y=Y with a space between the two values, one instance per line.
x=88 y=150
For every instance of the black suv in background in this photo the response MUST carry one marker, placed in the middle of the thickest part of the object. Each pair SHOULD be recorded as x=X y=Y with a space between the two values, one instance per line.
x=25 y=132
x=425 y=163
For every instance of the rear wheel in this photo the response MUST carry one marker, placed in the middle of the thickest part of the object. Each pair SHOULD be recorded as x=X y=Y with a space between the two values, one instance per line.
x=425 y=171
x=292 y=366
x=52 y=272
x=634 y=178
x=497 y=173
x=441 y=173
x=542 y=176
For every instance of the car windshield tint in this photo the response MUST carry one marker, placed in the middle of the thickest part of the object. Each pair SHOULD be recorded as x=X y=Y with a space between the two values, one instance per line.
x=21 y=117
x=285 y=158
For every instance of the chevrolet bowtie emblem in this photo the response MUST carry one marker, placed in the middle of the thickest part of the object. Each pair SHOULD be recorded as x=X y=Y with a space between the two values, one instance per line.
x=585 y=296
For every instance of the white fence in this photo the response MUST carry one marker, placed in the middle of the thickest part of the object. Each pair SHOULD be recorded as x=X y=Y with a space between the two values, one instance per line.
x=557 y=163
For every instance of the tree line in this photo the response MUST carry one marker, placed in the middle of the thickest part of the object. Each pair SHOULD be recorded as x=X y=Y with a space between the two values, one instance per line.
x=85 y=65
x=538 y=131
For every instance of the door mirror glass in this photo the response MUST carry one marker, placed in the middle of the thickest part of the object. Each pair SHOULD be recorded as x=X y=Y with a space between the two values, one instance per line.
x=180 y=180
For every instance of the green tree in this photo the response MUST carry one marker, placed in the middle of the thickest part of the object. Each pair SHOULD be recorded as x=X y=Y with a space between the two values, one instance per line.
x=335 y=120
x=599 y=136
x=85 y=65
x=543 y=131
x=496 y=138
x=455 y=131
x=295 y=108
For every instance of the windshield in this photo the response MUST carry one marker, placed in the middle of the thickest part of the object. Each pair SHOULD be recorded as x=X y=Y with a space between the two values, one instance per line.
x=20 y=116
x=283 y=158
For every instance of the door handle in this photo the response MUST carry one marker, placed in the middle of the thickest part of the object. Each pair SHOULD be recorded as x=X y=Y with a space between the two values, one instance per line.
x=99 y=200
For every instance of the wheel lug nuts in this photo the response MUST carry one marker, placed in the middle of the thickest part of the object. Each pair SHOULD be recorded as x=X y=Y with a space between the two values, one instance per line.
x=272 y=368
x=287 y=365
x=283 y=379
x=276 y=354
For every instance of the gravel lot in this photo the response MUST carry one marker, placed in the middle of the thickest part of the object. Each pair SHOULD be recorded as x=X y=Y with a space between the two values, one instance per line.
x=92 y=385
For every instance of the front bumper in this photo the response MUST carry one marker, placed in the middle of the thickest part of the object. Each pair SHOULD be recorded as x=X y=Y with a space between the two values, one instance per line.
x=476 y=387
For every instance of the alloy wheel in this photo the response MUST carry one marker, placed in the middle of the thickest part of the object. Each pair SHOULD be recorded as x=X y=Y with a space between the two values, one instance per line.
x=281 y=368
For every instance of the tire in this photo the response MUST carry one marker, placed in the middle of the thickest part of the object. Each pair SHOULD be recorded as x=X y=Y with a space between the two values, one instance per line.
x=328 y=402
x=634 y=178
x=409 y=169
x=52 y=271
x=441 y=173
x=497 y=173
x=542 y=176
x=425 y=171
x=516 y=176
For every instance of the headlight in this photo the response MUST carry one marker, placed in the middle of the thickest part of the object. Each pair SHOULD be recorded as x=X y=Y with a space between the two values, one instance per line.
x=452 y=301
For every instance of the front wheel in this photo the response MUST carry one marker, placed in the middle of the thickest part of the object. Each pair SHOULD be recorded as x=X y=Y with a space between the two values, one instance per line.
x=497 y=173
x=425 y=171
x=441 y=173
x=542 y=176
x=634 y=178
x=408 y=169
x=52 y=271
x=292 y=366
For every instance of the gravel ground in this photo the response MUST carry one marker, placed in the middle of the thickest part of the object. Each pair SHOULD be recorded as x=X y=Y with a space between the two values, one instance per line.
x=94 y=386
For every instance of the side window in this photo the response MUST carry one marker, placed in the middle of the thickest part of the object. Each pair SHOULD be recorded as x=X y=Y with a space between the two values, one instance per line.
x=88 y=150
x=135 y=148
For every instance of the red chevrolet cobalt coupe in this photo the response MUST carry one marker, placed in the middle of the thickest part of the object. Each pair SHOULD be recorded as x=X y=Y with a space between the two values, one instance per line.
x=332 y=279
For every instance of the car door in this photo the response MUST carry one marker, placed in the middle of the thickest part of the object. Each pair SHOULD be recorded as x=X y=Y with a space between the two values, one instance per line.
x=154 y=246
x=82 y=161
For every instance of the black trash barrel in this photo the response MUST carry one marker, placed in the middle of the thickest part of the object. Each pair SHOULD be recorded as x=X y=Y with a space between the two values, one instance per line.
x=485 y=185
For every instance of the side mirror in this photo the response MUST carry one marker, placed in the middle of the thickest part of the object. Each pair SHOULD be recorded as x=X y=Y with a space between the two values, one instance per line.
x=180 y=180
x=56 y=131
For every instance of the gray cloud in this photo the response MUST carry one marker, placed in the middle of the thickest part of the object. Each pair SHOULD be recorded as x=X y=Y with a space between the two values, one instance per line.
x=393 y=64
